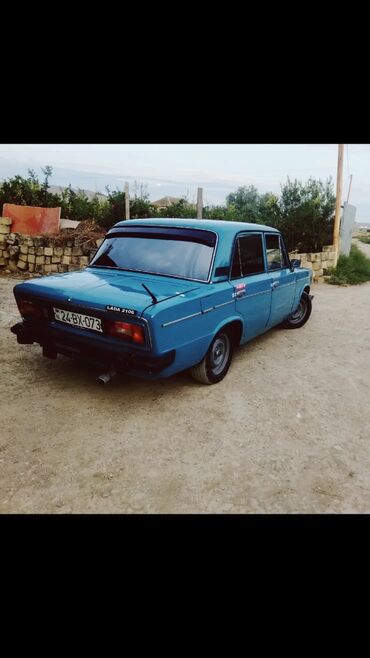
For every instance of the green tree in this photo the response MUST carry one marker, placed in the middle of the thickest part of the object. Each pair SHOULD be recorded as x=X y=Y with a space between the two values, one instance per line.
x=77 y=205
x=140 y=206
x=180 y=208
x=244 y=204
x=306 y=214
x=29 y=191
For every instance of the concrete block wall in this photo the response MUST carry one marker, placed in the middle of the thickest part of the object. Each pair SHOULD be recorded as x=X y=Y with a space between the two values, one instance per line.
x=43 y=255
x=319 y=262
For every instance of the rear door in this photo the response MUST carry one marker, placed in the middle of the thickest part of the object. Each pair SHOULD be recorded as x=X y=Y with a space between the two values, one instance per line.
x=252 y=285
x=282 y=279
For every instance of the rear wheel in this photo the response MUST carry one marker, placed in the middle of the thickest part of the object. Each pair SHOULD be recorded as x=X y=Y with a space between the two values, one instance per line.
x=216 y=362
x=301 y=314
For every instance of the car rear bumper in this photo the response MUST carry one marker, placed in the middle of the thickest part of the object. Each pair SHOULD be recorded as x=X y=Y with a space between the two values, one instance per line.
x=123 y=360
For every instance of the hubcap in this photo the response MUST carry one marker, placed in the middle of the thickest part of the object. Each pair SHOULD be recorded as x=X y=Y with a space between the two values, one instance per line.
x=219 y=354
x=299 y=314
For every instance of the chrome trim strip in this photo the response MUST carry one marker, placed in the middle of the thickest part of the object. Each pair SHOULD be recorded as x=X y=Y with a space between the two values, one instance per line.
x=187 y=317
x=193 y=315
x=148 y=332
x=224 y=303
x=263 y=292
x=286 y=285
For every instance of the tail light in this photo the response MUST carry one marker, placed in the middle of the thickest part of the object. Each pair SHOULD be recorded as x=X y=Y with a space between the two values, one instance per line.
x=29 y=309
x=126 y=331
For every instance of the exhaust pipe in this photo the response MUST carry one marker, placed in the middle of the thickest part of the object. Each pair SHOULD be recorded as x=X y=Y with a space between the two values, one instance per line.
x=24 y=337
x=49 y=352
x=106 y=377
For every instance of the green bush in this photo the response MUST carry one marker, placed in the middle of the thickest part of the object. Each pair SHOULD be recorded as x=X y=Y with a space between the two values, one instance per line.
x=364 y=239
x=352 y=269
x=76 y=205
x=29 y=191
x=306 y=214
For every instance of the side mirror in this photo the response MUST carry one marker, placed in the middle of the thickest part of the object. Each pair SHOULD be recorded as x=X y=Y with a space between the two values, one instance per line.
x=295 y=263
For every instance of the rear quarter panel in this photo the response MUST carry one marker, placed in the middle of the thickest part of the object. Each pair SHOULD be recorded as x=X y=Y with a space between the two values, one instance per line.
x=189 y=325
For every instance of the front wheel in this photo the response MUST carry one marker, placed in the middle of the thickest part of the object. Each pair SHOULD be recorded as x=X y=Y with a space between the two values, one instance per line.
x=301 y=314
x=216 y=362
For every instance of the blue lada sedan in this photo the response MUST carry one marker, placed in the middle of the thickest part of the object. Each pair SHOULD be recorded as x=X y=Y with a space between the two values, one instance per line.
x=162 y=296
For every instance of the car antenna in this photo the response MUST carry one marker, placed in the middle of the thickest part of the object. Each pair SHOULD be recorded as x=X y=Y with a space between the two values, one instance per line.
x=155 y=300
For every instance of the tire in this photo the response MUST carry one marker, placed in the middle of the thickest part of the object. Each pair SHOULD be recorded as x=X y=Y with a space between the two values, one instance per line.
x=301 y=315
x=213 y=368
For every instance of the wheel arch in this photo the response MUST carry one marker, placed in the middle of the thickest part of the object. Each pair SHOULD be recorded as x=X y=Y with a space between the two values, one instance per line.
x=234 y=326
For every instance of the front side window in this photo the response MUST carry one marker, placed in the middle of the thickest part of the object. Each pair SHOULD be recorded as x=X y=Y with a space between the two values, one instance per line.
x=275 y=256
x=170 y=252
x=248 y=256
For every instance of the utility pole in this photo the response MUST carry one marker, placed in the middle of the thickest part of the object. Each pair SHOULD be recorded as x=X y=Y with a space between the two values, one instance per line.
x=338 y=200
x=127 y=201
x=199 y=202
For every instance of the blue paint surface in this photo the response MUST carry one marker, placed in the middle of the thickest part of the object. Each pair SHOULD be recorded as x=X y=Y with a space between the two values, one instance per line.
x=180 y=327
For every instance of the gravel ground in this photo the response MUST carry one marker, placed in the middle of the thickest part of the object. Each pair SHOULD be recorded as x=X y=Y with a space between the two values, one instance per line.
x=286 y=431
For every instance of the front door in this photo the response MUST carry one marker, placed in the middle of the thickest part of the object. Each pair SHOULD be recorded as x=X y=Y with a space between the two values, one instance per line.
x=282 y=279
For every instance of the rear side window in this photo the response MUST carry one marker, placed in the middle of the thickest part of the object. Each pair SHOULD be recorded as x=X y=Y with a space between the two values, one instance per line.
x=248 y=256
x=275 y=256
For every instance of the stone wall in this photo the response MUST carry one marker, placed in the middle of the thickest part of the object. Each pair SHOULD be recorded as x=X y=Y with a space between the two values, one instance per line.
x=43 y=255
x=319 y=262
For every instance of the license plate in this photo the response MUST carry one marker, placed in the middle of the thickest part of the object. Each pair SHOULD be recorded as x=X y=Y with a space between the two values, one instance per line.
x=78 y=320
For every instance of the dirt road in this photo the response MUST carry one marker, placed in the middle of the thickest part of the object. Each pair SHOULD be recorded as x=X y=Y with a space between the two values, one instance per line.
x=286 y=431
x=365 y=248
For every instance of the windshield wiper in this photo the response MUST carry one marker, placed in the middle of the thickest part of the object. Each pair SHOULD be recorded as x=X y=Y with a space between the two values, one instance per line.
x=155 y=300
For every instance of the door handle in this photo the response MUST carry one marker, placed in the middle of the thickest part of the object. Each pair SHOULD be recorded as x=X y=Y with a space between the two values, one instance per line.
x=274 y=285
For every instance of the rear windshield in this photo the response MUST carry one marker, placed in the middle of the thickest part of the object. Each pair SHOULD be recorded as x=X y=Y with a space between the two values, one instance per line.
x=184 y=253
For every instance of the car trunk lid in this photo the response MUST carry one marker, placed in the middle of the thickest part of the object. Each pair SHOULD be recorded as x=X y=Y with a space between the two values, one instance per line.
x=102 y=289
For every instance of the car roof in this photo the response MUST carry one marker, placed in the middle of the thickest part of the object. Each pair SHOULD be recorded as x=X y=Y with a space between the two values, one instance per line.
x=225 y=231
x=217 y=225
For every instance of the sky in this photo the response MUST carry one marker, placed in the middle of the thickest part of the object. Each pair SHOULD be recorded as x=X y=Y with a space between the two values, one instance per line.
x=178 y=169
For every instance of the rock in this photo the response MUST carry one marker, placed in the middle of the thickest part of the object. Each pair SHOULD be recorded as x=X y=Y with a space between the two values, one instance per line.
x=13 y=250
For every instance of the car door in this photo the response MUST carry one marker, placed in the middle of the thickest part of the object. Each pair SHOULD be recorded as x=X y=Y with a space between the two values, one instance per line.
x=282 y=279
x=252 y=285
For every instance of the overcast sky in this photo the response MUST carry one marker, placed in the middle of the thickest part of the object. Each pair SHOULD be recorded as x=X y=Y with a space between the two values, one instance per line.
x=178 y=169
